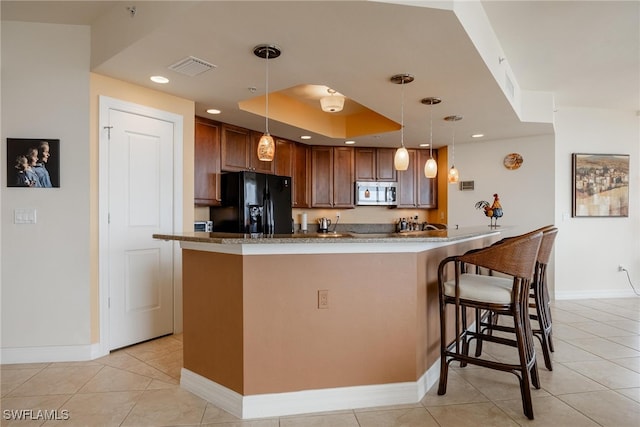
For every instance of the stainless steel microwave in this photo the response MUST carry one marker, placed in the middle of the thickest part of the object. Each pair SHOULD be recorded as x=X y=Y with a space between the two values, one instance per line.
x=376 y=193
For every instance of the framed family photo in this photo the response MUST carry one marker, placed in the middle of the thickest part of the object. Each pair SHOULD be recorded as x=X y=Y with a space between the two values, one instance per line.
x=600 y=185
x=33 y=163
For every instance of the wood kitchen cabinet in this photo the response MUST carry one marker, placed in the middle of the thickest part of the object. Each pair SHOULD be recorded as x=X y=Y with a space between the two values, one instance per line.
x=427 y=188
x=284 y=158
x=332 y=177
x=207 y=163
x=292 y=159
x=414 y=189
x=385 y=171
x=301 y=195
x=239 y=150
x=374 y=164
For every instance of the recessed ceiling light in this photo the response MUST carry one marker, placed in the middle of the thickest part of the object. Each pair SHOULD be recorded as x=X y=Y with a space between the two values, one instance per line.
x=349 y=142
x=159 y=79
x=305 y=137
x=213 y=111
x=424 y=145
x=477 y=135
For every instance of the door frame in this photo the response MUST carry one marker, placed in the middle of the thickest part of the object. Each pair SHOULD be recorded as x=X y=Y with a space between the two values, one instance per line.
x=105 y=104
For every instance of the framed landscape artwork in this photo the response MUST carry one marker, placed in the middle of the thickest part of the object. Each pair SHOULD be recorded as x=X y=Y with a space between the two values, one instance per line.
x=600 y=185
x=33 y=163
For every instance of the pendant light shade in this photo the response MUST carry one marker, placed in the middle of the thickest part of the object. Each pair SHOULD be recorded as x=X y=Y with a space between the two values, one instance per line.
x=454 y=175
x=332 y=103
x=266 y=145
x=401 y=159
x=431 y=166
x=266 y=148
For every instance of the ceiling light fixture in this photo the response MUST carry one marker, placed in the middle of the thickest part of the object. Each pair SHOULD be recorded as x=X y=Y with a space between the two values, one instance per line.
x=159 y=79
x=453 y=172
x=431 y=166
x=266 y=145
x=213 y=111
x=401 y=158
x=332 y=103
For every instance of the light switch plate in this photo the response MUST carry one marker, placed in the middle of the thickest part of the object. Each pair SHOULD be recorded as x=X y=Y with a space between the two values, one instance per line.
x=24 y=216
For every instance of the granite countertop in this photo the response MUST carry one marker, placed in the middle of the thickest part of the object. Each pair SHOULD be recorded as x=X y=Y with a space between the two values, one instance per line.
x=446 y=235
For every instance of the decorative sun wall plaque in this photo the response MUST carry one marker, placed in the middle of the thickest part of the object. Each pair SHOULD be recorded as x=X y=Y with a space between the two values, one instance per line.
x=512 y=161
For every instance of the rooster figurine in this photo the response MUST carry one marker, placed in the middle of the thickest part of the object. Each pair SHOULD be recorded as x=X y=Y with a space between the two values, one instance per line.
x=491 y=210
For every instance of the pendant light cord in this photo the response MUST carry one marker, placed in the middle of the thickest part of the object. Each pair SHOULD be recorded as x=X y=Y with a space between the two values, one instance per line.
x=453 y=145
x=402 y=113
x=431 y=130
x=266 y=108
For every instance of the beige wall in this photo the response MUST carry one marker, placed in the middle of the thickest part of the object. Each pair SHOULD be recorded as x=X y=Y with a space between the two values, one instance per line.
x=106 y=86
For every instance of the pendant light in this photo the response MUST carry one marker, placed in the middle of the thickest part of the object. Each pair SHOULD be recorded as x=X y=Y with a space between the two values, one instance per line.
x=453 y=172
x=431 y=166
x=401 y=159
x=266 y=145
x=332 y=103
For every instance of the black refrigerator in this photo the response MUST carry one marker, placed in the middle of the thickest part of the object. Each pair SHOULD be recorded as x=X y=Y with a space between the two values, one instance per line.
x=254 y=203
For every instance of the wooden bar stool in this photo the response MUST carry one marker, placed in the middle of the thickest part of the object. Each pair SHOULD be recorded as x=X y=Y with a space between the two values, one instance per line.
x=515 y=257
x=540 y=296
x=538 y=300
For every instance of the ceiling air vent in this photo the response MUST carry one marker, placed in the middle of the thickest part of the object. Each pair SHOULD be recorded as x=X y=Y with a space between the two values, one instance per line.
x=467 y=185
x=191 y=66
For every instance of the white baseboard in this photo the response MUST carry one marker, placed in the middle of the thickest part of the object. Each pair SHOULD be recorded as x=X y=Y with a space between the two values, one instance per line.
x=308 y=401
x=55 y=353
x=600 y=294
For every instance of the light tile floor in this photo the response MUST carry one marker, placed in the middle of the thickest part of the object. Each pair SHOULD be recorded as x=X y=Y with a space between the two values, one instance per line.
x=595 y=382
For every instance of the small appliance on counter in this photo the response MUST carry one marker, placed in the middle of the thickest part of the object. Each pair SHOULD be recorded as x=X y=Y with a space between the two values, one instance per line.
x=376 y=193
x=323 y=225
x=254 y=203
x=206 y=226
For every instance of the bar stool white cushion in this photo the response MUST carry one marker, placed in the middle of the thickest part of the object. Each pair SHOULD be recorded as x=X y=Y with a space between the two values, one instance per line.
x=482 y=288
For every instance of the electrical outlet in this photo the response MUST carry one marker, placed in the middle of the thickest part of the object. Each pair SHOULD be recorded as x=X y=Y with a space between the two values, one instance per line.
x=338 y=215
x=323 y=298
x=621 y=268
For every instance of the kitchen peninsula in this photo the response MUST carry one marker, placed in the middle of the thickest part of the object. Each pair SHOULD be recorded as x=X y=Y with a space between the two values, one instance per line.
x=305 y=323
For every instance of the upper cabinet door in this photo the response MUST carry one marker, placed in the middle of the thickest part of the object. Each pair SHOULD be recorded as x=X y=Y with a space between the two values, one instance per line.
x=284 y=157
x=384 y=164
x=301 y=176
x=427 y=188
x=406 y=195
x=236 y=143
x=365 y=164
x=321 y=177
x=207 y=163
x=343 y=177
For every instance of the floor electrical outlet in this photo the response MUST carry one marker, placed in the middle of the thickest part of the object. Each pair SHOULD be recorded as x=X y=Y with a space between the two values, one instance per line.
x=323 y=299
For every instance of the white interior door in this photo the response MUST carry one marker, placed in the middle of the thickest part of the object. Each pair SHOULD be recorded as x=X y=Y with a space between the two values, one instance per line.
x=140 y=268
